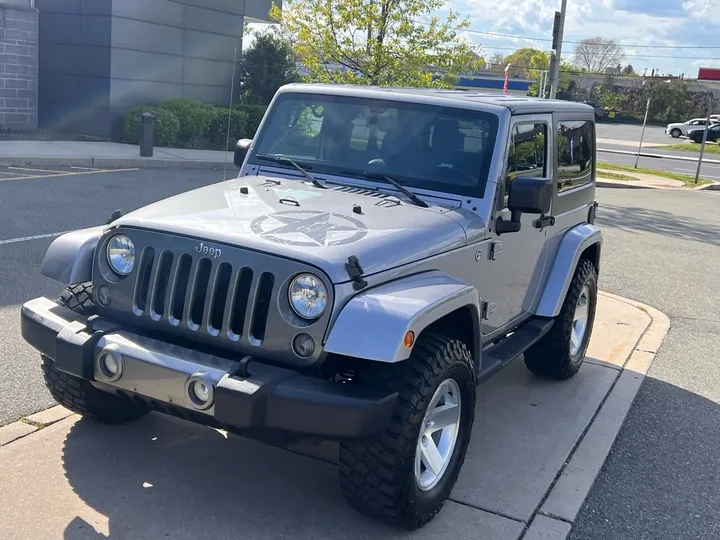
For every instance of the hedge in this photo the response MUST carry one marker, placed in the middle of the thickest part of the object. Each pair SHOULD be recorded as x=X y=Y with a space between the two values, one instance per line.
x=167 y=125
x=191 y=124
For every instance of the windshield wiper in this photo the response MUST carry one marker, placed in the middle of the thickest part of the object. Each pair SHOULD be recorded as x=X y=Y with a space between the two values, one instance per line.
x=287 y=161
x=409 y=194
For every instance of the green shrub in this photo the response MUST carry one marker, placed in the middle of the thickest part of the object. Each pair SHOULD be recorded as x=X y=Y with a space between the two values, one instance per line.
x=195 y=119
x=219 y=127
x=255 y=114
x=167 y=125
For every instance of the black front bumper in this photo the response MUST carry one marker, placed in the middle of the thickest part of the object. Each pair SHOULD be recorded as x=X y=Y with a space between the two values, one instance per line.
x=248 y=396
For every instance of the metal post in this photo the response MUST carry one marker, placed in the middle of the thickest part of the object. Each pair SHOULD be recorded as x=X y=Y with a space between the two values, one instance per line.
x=147 y=134
x=555 y=76
x=642 y=135
x=705 y=133
x=227 y=136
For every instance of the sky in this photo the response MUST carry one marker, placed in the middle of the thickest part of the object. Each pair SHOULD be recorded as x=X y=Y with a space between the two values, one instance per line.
x=631 y=23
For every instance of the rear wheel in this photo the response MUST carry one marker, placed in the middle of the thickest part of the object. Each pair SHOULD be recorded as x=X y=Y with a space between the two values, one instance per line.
x=405 y=476
x=77 y=394
x=560 y=353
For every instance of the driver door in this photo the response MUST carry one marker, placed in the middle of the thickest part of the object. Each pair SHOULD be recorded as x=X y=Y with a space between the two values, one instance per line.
x=519 y=259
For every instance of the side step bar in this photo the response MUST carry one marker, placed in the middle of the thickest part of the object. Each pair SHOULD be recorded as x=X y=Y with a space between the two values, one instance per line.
x=524 y=337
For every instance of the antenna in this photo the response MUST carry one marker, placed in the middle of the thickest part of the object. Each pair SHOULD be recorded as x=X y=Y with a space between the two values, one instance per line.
x=227 y=136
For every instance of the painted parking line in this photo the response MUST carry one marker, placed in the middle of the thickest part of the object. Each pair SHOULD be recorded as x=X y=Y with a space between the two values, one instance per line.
x=86 y=168
x=29 y=238
x=36 y=170
x=56 y=174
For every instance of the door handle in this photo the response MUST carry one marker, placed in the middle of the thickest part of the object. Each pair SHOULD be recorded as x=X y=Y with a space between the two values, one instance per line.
x=544 y=221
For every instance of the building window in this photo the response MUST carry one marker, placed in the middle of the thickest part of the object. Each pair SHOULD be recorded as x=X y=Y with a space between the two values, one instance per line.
x=527 y=155
x=575 y=154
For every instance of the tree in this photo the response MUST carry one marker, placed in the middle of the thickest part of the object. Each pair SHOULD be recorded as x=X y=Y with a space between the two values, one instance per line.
x=529 y=63
x=628 y=70
x=598 y=54
x=378 y=41
x=266 y=66
x=497 y=62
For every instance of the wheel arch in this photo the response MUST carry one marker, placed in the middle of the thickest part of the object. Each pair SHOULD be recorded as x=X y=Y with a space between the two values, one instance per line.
x=580 y=242
x=387 y=312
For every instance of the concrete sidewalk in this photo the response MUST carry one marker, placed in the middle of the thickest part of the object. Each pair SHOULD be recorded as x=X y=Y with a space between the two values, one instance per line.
x=106 y=154
x=537 y=447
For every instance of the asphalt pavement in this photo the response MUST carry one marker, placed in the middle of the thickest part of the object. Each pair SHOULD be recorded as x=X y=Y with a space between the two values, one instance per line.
x=661 y=247
x=47 y=203
x=662 y=477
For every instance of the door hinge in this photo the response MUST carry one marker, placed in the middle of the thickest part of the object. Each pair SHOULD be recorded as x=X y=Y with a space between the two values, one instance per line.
x=495 y=250
x=487 y=309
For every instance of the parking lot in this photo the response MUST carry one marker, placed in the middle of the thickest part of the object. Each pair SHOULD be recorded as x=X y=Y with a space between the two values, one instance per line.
x=134 y=481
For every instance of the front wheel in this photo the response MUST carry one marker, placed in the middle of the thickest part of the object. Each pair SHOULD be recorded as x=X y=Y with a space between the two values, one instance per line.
x=405 y=476
x=675 y=133
x=560 y=353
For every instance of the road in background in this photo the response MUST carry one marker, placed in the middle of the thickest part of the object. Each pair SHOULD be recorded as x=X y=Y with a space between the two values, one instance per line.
x=708 y=170
x=631 y=132
x=661 y=479
x=62 y=200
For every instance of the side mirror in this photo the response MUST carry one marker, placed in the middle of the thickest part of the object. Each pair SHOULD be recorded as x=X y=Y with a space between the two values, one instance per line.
x=241 y=149
x=527 y=195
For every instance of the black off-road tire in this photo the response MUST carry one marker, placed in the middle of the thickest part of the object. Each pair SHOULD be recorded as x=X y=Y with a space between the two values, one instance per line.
x=551 y=356
x=79 y=395
x=377 y=476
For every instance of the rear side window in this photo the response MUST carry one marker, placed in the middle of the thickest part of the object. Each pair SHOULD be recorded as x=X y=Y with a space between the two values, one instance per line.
x=575 y=154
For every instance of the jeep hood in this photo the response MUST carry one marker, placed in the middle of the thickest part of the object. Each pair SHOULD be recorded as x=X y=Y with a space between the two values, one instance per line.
x=322 y=227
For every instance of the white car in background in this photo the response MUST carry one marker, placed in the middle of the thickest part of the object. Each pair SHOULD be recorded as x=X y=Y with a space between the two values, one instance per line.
x=676 y=130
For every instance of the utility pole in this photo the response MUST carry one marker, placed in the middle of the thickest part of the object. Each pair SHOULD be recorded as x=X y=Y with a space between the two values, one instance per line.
x=705 y=133
x=558 y=28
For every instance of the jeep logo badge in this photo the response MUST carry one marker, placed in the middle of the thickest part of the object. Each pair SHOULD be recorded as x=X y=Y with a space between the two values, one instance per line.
x=204 y=249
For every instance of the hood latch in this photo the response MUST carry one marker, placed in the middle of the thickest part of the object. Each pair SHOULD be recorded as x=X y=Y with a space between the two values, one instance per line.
x=355 y=272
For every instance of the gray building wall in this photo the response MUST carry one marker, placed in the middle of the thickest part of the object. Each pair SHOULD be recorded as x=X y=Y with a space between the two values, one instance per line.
x=129 y=52
x=18 y=65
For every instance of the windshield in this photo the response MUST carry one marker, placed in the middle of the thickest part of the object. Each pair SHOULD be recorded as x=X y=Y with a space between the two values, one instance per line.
x=423 y=146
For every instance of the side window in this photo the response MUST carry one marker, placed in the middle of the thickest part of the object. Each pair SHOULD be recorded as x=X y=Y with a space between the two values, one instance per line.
x=527 y=155
x=575 y=154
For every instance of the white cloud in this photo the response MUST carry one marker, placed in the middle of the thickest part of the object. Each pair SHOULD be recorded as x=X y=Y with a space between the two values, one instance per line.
x=640 y=22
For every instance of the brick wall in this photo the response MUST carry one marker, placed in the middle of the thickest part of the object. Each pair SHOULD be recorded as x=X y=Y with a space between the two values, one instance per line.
x=18 y=64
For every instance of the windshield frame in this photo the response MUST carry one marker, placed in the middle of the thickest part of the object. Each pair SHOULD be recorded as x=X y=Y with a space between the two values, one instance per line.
x=409 y=182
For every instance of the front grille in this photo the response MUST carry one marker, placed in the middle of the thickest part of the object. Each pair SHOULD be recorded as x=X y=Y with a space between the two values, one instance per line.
x=202 y=294
x=235 y=300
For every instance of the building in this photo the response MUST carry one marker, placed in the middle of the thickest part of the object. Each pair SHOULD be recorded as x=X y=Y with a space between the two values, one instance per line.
x=98 y=58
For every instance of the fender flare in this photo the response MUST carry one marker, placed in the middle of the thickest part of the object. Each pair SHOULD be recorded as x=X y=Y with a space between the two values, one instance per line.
x=373 y=324
x=572 y=245
x=69 y=258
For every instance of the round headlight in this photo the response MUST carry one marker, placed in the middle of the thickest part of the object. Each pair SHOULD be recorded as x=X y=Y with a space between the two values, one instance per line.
x=121 y=254
x=308 y=296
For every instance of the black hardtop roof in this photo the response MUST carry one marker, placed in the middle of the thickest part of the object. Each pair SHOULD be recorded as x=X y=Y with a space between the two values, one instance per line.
x=516 y=104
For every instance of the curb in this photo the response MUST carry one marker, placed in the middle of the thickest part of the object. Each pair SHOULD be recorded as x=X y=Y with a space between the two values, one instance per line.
x=31 y=424
x=148 y=163
x=660 y=156
x=621 y=184
x=575 y=479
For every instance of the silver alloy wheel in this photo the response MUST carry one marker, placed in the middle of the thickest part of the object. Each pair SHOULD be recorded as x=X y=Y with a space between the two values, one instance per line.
x=438 y=435
x=580 y=319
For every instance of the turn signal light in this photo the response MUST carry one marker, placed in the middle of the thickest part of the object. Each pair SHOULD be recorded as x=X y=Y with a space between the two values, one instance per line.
x=409 y=339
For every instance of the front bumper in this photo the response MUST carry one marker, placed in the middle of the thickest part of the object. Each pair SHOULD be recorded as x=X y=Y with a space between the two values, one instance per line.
x=247 y=396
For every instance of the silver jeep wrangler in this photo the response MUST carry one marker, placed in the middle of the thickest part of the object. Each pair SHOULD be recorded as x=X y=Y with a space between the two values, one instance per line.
x=381 y=253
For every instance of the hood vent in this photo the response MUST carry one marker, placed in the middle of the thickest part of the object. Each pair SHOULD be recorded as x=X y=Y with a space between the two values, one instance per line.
x=362 y=191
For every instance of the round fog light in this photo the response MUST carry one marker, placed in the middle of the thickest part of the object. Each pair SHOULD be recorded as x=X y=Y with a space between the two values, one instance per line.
x=103 y=295
x=303 y=345
x=109 y=363
x=200 y=390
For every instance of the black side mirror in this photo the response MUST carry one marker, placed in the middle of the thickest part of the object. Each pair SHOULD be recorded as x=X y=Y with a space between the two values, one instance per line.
x=526 y=195
x=241 y=149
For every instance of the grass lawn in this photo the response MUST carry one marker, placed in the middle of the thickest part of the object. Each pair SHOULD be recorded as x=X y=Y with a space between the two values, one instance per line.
x=710 y=147
x=615 y=176
x=684 y=178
